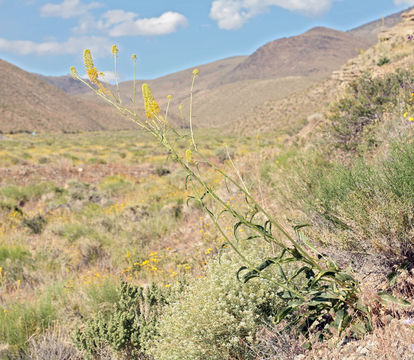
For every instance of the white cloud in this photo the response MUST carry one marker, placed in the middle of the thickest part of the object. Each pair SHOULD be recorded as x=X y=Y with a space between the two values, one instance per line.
x=68 y=8
x=116 y=23
x=404 y=2
x=167 y=23
x=233 y=14
x=109 y=19
x=113 y=23
x=113 y=17
x=99 y=46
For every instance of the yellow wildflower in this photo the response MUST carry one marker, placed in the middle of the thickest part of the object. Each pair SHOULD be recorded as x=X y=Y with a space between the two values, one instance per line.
x=151 y=106
x=405 y=114
x=133 y=57
x=153 y=254
x=195 y=72
x=209 y=250
x=188 y=156
x=114 y=50
x=74 y=72
x=90 y=67
x=410 y=118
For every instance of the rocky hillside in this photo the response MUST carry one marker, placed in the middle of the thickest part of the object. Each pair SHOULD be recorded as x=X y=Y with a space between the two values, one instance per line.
x=31 y=104
x=393 y=45
x=315 y=54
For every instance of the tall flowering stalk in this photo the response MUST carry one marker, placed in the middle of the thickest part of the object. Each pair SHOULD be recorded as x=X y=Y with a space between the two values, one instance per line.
x=318 y=295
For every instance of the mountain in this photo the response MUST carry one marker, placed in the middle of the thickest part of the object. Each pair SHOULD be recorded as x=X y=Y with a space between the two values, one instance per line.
x=66 y=83
x=315 y=53
x=31 y=104
x=226 y=91
x=302 y=112
x=371 y=30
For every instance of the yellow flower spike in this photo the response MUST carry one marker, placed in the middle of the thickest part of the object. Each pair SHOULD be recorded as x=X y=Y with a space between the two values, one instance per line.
x=114 y=50
x=90 y=67
x=74 y=72
x=188 y=156
x=195 y=72
x=405 y=114
x=87 y=59
x=133 y=57
x=151 y=106
x=169 y=97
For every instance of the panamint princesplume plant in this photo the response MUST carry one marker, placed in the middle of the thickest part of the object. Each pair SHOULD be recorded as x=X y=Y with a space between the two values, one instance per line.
x=318 y=297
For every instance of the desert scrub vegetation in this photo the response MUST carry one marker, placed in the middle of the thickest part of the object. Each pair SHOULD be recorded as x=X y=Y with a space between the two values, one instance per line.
x=78 y=228
x=128 y=329
x=318 y=297
x=365 y=206
x=216 y=317
x=231 y=280
x=368 y=100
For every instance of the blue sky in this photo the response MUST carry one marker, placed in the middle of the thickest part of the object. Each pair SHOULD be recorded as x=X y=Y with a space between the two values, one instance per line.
x=48 y=36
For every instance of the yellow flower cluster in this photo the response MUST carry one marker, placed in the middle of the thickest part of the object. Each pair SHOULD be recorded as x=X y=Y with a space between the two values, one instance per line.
x=151 y=106
x=114 y=50
x=92 y=72
x=410 y=118
x=90 y=67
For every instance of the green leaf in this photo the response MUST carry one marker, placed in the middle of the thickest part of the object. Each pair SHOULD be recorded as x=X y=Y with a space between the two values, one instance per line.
x=359 y=328
x=282 y=313
x=392 y=277
x=388 y=298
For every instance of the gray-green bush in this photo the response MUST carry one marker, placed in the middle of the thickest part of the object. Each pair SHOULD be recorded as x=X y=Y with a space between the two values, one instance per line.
x=128 y=329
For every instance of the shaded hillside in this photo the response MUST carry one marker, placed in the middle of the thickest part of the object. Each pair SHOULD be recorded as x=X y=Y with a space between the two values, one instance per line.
x=28 y=103
x=316 y=53
x=66 y=83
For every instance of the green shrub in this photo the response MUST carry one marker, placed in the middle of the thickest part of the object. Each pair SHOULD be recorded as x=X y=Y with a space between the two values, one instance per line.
x=16 y=263
x=36 y=224
x=74 y=231
x=128 y=329
x=18 y=322
x=366 y=102
x=13 y=253
x=22 y=194
x=102 y=296
x=367 y=207
x=383 y=60
x=115 y=185
x=399 y=171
